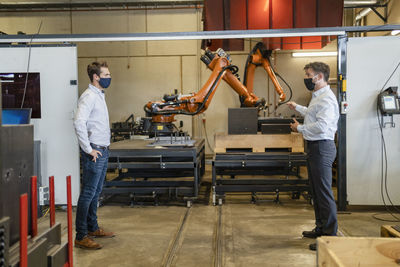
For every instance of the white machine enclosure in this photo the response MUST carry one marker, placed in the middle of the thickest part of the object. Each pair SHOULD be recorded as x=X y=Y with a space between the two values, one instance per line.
x=370 y=61
x=57 y=66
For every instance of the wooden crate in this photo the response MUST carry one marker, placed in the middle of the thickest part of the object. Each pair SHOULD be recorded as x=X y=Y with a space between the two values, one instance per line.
x=357 y=251
x=389 y=231
x=259 y=142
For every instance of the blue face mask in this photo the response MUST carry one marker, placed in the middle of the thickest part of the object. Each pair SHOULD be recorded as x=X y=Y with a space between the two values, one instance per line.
x=105 y=82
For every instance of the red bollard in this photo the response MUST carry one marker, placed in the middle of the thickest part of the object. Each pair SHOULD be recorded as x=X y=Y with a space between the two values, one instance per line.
x=69 y=215
x=52 y=202
x=23 y=230
x=34 y=205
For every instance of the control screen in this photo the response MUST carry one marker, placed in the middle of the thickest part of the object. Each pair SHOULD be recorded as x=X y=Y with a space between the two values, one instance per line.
x=389 y=102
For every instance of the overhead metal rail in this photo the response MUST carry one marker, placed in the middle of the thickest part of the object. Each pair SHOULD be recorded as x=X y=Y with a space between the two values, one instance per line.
x=365 y=4
x=165 y=36
x=95 y=5
x=59 y=5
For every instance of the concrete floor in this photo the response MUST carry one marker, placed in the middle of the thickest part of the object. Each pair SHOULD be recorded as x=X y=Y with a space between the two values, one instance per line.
x=261 y=234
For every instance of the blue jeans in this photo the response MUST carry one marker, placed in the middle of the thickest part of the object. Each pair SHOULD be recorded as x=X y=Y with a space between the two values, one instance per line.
x=93 y=177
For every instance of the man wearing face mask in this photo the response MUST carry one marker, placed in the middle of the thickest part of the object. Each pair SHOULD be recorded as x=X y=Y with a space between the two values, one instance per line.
x=93 y=131
x=319 y=128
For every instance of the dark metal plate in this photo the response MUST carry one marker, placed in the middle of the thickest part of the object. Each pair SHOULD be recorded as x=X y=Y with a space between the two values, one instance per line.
x=242 y=120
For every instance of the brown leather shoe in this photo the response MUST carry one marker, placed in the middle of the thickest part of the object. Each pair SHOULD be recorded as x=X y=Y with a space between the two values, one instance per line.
x=101 y=233
x=87 y=243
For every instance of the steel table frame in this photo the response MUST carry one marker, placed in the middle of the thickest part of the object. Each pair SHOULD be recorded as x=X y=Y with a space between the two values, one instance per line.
x=250 y=163
x=146 y=162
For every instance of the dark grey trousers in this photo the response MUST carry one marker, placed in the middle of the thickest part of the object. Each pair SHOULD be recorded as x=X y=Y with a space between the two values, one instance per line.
x=321 y=155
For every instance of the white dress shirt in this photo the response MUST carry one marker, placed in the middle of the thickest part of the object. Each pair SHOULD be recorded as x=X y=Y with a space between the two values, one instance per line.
x=91 y=120
x=320 y=117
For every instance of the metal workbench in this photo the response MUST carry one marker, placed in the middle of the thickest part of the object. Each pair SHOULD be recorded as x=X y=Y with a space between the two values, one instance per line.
x=264 y=164
x=155 y=170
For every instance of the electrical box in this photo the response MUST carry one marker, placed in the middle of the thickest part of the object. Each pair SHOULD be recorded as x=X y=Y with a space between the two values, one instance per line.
x=388 y=101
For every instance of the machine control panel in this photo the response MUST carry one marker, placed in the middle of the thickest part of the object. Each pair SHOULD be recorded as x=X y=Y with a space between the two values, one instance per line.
x=388 y=101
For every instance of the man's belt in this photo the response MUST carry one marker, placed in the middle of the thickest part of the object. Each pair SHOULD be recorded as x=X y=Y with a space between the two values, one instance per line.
x=317 y=141
x=98 y=147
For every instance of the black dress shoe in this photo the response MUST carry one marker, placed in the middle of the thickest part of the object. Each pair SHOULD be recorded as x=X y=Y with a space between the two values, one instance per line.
x=313 y=246
x=312 y=234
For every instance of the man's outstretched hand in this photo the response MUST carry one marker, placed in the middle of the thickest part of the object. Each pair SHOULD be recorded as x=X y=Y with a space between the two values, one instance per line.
x=292 y=105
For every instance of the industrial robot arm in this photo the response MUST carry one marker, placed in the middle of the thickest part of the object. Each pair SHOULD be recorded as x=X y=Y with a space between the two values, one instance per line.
x=196 y=103
x=259 y=56
x=249 y=99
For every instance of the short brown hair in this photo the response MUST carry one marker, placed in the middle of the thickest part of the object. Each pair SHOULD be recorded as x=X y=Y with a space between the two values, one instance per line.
x=319 y=67
x=95 y=68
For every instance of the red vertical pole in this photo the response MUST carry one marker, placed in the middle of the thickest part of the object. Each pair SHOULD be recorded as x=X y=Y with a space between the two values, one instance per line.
x=34 y=205
x=23 y=230
x=52 y=202
x=69 y=215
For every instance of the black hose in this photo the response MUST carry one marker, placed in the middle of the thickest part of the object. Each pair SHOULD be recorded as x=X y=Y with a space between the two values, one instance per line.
x=245 y=70
x=261 y=47
x=266 y=55
x=182 y=112
x=234 y=69
x=290 y=89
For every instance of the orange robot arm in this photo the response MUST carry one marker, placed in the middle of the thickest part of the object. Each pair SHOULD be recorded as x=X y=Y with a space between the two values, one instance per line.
x=259 y=56
x=196 y=103
x=249 y=99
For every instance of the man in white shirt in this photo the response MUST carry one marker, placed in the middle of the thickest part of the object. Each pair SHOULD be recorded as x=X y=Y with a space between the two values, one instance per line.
x=319 y=128
x=92 y=128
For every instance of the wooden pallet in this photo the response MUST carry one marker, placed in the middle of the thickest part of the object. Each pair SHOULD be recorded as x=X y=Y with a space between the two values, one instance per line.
x=357 y=251
x=389 y=231
x=258 y=142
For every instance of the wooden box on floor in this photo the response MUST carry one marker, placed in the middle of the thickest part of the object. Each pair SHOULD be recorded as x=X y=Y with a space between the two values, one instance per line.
x=259 y=142
x=357 y=251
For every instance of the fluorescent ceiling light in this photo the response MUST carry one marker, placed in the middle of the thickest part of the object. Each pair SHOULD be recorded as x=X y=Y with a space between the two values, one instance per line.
x=314 y=54
x=395 y=32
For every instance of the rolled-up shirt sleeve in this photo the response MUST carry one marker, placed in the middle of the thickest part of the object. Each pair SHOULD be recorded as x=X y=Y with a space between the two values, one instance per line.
x=85 y=107
x=301 y=109
x=324 y=115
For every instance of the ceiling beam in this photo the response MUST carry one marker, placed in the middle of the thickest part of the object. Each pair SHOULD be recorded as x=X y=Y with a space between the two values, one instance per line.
x=77 y=5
